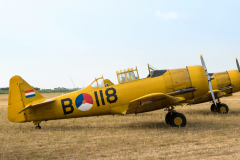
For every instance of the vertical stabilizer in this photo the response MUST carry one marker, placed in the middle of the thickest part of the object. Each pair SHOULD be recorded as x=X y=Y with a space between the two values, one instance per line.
x=21 y=94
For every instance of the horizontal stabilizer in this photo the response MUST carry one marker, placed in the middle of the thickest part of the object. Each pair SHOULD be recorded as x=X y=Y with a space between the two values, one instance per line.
x=37 y=104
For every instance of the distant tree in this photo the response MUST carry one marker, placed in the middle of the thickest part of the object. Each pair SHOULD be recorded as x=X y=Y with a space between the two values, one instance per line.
x=36 y=88
x=60 y=88
x=5 y=88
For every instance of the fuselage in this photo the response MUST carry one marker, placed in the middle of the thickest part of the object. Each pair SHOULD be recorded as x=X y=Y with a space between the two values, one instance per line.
x=114 y=99
x=224 y=79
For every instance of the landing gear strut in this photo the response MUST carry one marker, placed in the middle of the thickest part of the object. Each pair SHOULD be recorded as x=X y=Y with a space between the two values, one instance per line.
x=221 y=108
x=175 y=119
x=38 y=126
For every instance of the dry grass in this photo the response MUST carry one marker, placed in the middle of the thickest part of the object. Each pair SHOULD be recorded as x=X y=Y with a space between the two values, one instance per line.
x=145 y=136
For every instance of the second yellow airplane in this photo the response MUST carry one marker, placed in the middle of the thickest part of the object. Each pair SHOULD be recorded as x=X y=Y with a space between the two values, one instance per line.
x=223 y=84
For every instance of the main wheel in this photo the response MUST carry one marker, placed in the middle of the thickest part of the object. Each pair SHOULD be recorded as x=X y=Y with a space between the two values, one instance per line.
x=178 y=120
x=222 y=108
x=213 y=108
x=167 y=118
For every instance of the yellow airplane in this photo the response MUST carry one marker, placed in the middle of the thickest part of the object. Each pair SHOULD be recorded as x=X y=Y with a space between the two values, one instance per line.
x=161 y=89
x=223 y=84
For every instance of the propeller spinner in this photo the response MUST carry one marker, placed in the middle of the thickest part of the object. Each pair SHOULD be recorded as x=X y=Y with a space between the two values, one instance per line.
x=209 y=79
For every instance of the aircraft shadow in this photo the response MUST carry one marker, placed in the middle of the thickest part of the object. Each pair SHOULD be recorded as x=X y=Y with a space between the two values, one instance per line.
x=152 y=125
x=133 y=126
x=207 y=112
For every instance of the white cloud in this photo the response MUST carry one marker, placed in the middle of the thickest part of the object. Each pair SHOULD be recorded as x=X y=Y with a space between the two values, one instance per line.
x=167 y=16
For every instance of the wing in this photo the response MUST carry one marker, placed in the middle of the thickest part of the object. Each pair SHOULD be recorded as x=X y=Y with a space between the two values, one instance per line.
x=38 y=104
x=207 y=97
x=225 y=90
x=153 y=101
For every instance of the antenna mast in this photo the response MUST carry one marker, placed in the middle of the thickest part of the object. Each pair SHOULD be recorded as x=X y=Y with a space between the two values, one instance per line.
x=72 y=82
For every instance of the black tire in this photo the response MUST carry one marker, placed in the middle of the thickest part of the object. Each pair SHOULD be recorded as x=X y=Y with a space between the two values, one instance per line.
x=178 y=120
x=223 y=108
x=167 y=118
x=213 y=108
x=38 y=127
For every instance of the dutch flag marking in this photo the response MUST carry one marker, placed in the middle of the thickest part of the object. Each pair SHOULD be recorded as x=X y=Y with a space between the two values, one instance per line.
x=29 y=93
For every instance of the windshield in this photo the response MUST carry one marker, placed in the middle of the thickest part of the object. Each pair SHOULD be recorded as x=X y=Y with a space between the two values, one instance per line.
x=98 y=83
x=153 y=68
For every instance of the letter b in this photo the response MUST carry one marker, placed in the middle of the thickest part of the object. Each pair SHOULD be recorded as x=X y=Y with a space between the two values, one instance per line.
x=66 y=106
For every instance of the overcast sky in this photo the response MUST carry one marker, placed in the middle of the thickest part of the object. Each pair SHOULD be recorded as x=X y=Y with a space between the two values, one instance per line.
x=47 y=41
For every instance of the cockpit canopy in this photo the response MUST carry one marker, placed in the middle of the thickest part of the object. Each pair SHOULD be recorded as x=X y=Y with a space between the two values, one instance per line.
x=153 y=72
x=127 y=75
x=101 y=82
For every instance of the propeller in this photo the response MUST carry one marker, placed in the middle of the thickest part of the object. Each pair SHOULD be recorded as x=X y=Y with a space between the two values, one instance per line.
x=238 y=65
x=209 y=80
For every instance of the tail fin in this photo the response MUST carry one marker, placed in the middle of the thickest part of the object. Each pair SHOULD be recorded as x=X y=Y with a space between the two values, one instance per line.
x=21 y=94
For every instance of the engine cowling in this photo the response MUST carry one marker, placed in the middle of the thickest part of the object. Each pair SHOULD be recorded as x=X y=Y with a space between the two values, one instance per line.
x=199 y=80
x=234 y=76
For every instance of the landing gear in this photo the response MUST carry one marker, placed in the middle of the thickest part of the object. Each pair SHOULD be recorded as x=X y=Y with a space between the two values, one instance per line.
x=213 y=108
x=167 y=118
x=221 y=108
x=37 y=123
x=175 y=119
x=178 y=120
x=38 y=126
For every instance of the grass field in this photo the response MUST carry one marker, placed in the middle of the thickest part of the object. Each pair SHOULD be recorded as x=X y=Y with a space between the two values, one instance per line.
x=145 y=136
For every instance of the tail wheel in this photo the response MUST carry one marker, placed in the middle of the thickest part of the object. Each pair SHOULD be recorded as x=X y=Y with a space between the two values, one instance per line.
x=38 y=127
x=178 y=120
x=222 y=108
x=213 y=108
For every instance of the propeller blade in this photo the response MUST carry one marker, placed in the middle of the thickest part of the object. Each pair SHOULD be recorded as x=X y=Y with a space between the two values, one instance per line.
x=204 y=66
x=238 y=65
x=203 y=63
x=209 y=80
